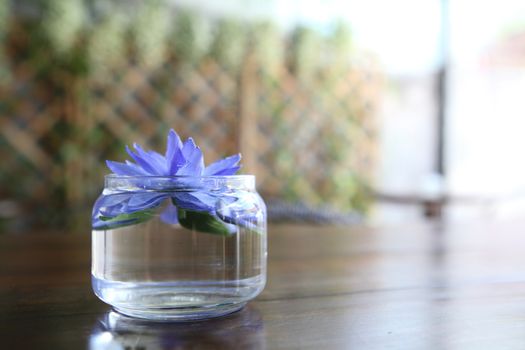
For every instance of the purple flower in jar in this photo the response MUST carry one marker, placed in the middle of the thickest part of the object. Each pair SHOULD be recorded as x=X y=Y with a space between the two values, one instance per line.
x=183 y=165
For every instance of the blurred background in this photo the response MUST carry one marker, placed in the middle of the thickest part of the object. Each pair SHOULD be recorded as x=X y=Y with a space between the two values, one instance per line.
x=346 y=111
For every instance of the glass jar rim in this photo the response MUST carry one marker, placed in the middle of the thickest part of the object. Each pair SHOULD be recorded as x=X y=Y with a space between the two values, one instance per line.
x=177 y=182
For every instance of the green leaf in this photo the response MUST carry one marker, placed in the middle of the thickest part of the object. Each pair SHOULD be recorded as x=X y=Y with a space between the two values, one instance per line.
x=126 y=219
x=203 y=222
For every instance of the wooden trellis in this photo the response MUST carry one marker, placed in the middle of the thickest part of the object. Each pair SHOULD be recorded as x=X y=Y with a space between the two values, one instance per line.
x=310 y=142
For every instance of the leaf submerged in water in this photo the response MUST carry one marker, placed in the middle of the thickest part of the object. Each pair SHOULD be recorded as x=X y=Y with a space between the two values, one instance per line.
x=124 y=219
x=204 y=222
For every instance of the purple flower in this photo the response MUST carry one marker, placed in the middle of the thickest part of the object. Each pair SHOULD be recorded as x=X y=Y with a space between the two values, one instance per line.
x=180 y=159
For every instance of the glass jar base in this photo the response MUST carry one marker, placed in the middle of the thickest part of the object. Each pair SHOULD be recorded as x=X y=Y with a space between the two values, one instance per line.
x=177 y=300
x=181 y=314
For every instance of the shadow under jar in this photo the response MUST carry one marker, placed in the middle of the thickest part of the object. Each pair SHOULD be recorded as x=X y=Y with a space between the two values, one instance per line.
x=178 y=248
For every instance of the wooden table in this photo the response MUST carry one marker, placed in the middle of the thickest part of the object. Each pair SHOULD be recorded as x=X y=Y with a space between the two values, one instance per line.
x=424 y=286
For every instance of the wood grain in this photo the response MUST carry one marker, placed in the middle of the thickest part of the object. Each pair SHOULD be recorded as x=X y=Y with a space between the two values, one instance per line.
x=424 y=286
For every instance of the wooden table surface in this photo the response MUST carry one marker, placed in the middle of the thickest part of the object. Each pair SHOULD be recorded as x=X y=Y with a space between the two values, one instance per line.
x=421 y=286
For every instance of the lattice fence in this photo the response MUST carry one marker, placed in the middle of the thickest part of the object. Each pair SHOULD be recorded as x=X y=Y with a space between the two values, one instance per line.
x=313 y=142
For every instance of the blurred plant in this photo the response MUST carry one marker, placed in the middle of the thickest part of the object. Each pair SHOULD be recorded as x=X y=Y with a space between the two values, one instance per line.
x=4 y=14
x=107 y=45
x=306 y=53
x=4 y=17
x=229 y=44
x=268 y=47
x=340 y=45
x=191 y=36
x=63 y=22
x=150 y=31
x=5 y=74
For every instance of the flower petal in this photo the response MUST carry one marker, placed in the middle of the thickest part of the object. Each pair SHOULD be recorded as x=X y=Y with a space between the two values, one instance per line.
x=128 y=169
x=196 y=201
x=228 y=171
x=174 y=156
x=194 y=165
x=137 y=168
x=144 y=200
x=112 y=205
x=188 y=148
x=107 y=223
x=169 y=215
x=107 y=203
x=240 y=211
x=156 y=161
x=142 y=162
x=225 y=166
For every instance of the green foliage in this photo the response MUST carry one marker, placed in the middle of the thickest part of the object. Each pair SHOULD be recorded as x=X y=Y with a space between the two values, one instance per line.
x=126 y=219
x=4 y=69
x=202 y=222
x=63 y=23
x=338 y=54
x=268 y=46
x=150 y=30
x=340 y=44
x=81 y=42
x=229 y=46
x=191 y=36
x=107 y=44
x=4 y=16
x=306 y=53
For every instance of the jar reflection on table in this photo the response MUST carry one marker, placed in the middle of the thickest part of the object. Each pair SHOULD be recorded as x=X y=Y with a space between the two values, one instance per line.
x=243 y=329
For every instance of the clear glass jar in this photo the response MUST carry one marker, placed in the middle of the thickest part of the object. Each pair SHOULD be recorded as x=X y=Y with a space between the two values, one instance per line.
x=178 y=248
